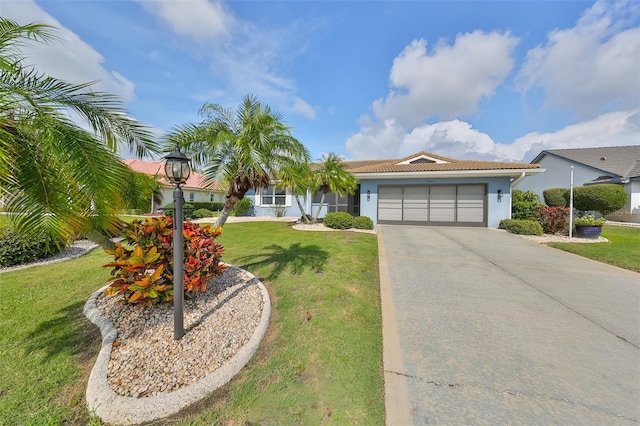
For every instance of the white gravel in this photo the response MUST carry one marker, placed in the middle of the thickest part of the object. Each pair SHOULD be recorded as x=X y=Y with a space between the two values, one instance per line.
x=146 y=360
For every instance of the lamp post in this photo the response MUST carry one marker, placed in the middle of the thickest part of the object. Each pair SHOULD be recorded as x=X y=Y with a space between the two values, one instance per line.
x=177 y=170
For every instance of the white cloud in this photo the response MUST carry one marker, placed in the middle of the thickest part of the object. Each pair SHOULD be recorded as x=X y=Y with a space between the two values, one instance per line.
x=449 y=81
x=619 y=128
x=69 y=58
x=301 y=106
x=244 y=58
x=202 y=20
x=593 y=67
x=457 y=139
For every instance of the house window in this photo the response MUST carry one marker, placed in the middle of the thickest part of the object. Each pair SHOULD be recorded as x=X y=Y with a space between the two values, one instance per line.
x=273 y=196
x=192 y=196
x=211 y=197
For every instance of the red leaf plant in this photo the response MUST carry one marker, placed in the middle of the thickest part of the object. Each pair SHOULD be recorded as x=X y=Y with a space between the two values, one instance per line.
x=144 y=275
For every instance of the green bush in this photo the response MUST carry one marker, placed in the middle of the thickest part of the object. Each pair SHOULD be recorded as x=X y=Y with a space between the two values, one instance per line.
x=522 y=227
x=603 y=198
x=200 y=213
x=523 y=204
x=17 y=250
x=214 y=207
x=241 y=207
x=187 y=210
x=555 y=197
x=362 y=222
x=338 y=220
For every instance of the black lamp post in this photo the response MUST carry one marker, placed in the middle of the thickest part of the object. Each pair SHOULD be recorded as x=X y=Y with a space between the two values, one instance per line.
x=177 y=170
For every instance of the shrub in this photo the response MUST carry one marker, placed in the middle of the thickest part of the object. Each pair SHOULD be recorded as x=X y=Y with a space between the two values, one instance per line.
x=200 y=213
x=589 y=220
x=187 y=210
x=241 y=207
x=144 y=275
x=278 y=210
x=362 y=222
x=522 y=227
x=554 y=220
x=338 y=220
x=209 y=205
x=555 y=197
x=523 y=204
x=17 y=250
x=604 y=198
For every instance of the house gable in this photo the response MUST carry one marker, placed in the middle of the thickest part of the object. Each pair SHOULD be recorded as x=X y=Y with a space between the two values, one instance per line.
x=617 y=161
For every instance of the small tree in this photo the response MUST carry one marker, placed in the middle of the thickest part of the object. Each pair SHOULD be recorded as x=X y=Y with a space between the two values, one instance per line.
x=555 y=197
x=523 y=204
x=603 y=198
x=333 y=176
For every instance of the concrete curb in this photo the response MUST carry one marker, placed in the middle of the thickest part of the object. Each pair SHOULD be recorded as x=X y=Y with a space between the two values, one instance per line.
x=396 y=390
x=116 y=409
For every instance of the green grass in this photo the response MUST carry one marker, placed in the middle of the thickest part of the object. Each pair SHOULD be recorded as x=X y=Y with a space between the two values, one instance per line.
x=321 y=361
x=623 y=248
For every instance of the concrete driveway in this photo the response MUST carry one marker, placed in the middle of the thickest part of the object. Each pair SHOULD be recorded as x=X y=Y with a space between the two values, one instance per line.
x=484 y=327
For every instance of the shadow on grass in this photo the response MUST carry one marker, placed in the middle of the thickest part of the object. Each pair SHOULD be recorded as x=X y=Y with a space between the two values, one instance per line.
x=296 y=258
x=68 y=332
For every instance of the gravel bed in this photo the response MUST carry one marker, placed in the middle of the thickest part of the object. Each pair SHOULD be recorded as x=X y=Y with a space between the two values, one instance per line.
x=146 y=361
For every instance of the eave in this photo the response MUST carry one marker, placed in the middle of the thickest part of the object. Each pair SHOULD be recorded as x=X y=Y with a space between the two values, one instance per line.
x=512 y=173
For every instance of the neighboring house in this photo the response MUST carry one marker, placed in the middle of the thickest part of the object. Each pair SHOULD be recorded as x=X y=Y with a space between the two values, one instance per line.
x=194 y=189
x=617 y=164
x=421 y=189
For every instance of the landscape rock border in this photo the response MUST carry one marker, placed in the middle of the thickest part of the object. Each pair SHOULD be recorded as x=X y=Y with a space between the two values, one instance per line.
x=116 y=409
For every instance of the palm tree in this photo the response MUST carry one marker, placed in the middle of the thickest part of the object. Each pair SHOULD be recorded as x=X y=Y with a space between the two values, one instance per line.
x=299 y=180
x=333 y=176
x=59 y=179
x=245 y=149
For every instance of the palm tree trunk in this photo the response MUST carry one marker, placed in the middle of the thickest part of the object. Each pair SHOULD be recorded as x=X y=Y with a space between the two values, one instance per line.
x=226 y=211
x=305 y=219
x=315 y=218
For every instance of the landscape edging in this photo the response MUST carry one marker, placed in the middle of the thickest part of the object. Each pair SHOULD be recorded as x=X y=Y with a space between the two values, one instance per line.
x=116 y=409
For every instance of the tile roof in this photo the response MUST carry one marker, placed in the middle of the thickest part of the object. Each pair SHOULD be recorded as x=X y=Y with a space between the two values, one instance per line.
x=156 y=169
x=450 y=164
x=622 y=161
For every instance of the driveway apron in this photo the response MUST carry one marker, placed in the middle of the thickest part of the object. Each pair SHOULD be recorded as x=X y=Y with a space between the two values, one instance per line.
x=484 y=327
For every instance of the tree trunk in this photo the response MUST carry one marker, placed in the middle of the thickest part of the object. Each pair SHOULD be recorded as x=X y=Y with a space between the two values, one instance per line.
x=305 y=219
x=315 y=218
x=226 y=211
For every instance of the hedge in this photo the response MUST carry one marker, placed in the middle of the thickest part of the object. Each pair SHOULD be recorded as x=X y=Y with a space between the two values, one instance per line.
x=17 y=250
x=555 y=197
x=603 y=198
x=338 y=220
x=522 y=227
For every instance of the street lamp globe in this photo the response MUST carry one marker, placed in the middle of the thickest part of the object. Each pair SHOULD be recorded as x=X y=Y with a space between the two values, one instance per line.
x=177 y=168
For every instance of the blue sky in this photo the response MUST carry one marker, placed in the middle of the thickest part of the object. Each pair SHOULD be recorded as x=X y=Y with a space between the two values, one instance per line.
x=492 y=80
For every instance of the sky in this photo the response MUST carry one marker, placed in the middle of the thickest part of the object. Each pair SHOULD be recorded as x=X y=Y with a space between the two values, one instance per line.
x=485 y=80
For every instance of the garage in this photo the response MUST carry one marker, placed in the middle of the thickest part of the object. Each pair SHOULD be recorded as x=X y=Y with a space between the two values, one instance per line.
x=449 y=205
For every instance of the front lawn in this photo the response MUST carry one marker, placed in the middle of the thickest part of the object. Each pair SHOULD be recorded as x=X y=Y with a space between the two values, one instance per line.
x=623 y=248
x=321 y=360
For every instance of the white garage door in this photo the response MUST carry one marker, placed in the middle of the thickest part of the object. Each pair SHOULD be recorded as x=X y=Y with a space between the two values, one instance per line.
x=462 y=205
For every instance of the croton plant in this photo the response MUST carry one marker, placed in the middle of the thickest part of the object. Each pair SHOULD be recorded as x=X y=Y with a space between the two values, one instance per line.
x=144 y=273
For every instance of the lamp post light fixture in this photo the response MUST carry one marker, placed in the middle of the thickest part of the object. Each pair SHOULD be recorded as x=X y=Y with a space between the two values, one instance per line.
x=177 y=169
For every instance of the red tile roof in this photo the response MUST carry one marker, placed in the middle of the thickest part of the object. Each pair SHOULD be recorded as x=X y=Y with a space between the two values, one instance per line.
x=156 y=169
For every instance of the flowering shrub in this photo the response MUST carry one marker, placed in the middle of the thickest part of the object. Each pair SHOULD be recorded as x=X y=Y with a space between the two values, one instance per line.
x=145 y=274
x=554 y=220
x=589 y=219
